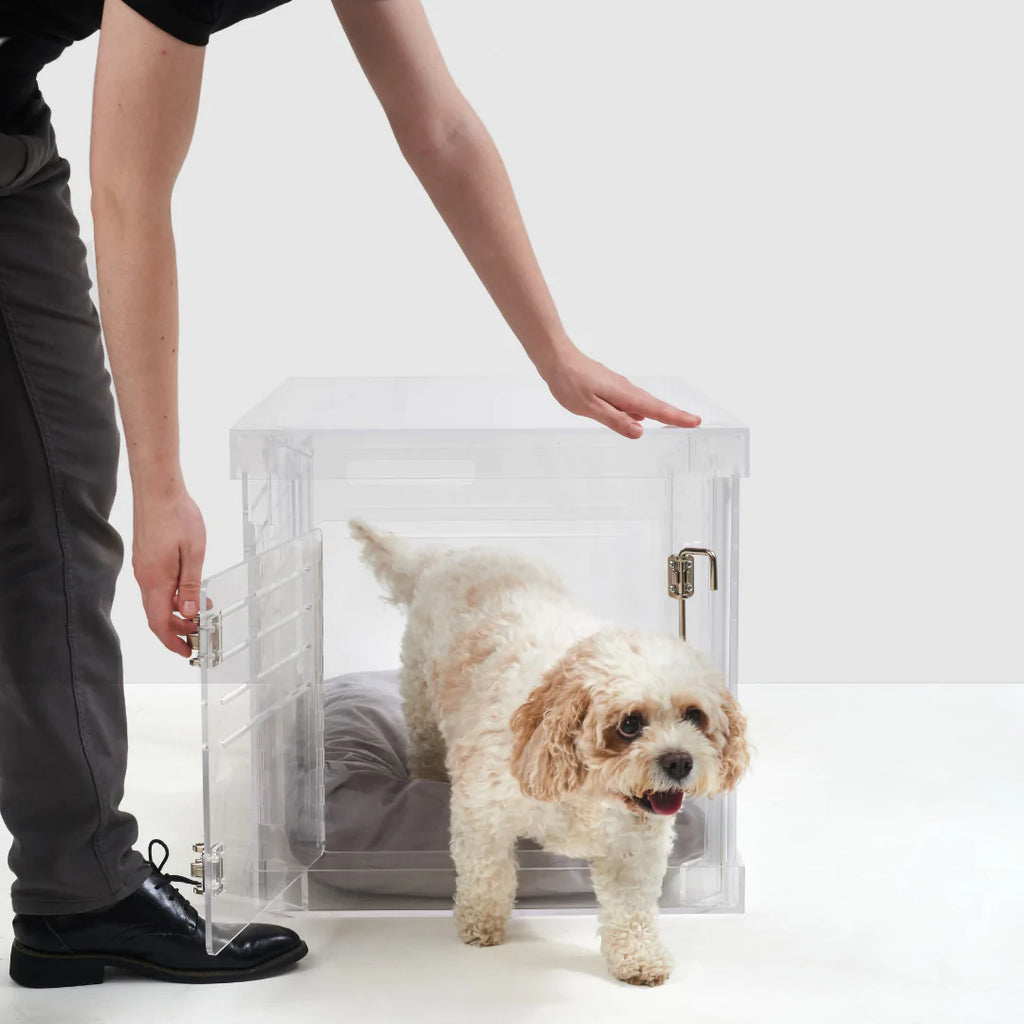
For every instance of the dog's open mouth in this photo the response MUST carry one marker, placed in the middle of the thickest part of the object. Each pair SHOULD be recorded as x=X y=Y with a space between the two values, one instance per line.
x=654 y=802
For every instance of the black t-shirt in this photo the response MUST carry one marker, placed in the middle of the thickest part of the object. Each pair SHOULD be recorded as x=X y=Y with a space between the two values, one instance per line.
x=38 y=31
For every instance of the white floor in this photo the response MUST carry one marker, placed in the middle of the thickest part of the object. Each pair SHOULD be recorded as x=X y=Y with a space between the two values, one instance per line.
x=882 y=833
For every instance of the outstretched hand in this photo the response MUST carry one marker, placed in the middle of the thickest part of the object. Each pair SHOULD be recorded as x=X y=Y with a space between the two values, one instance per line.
x=588 y=388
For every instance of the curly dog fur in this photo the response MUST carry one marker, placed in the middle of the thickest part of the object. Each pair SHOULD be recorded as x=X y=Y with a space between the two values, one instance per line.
x=553 y=724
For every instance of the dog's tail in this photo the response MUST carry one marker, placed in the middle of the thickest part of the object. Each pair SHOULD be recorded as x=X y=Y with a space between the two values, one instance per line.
x=395 y=562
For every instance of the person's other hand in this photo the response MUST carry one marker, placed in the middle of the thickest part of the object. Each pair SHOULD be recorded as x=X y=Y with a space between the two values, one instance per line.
x=588 y=388
x=168 y=549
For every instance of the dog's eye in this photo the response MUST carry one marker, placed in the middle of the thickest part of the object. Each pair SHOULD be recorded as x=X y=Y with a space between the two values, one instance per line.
x=694 y=716
x=631 y=726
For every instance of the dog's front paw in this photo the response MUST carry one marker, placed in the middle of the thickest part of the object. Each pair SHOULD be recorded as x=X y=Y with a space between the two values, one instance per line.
x=479 y=927
x=640 y=964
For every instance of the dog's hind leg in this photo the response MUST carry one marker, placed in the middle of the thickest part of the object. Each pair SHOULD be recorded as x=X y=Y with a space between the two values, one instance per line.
x=426 y=744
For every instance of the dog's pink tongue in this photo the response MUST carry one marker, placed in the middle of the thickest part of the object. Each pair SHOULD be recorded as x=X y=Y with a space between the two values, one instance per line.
x=666 y=803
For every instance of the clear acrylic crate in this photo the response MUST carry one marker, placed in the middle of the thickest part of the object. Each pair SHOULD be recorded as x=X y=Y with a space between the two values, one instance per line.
x=461 y=462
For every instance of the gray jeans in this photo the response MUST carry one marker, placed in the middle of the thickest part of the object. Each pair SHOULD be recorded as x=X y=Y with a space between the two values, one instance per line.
x=63 y=733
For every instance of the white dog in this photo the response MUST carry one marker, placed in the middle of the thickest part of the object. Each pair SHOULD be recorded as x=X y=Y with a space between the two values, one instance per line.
x=554 y=725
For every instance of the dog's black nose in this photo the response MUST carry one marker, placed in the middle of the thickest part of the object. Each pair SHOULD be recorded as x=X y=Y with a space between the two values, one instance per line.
x=676 y=764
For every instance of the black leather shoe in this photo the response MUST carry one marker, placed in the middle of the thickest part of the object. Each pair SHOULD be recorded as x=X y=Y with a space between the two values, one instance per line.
x=155 y=931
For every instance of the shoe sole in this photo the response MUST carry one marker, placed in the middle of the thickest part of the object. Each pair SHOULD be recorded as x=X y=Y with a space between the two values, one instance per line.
x=33 y=969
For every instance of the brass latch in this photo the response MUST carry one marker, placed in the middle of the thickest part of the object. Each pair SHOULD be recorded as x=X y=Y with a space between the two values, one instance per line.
x=193 y=642
x=680 y=579
x=211 y=628
x=208 y=869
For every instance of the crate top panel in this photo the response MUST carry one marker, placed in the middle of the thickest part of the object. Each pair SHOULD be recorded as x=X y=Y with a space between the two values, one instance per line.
x=501 y=426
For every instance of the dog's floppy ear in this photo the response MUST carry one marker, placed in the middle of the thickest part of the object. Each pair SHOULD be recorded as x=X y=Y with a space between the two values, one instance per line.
x=733 y=752
x=545 y=759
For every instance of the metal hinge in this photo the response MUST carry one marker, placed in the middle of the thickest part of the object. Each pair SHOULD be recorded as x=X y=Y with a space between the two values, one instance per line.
x=207 y=626
x=208 y=870
x=681 y=579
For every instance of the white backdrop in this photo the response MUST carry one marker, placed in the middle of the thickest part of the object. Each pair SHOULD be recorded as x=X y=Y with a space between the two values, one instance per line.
x=813 y=211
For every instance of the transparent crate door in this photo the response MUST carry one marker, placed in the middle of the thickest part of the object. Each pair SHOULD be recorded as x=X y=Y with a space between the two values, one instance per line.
x=261 y=659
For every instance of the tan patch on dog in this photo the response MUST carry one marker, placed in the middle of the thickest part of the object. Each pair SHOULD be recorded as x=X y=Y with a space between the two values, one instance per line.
x=482 y=591
x=545 y=729
x=612 y=743
x=733 y=752
x=464 y=756
x=684 y=705
x=454 y=671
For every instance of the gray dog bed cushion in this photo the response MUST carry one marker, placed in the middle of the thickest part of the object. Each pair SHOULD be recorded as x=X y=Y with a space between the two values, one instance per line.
x=387 y=833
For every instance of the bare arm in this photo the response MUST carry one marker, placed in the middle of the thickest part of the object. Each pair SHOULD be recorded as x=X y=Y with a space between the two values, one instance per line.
x=451 y=152
x=144 y=110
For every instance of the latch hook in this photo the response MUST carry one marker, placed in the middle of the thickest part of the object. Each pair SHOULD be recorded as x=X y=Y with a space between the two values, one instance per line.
x=681 y=578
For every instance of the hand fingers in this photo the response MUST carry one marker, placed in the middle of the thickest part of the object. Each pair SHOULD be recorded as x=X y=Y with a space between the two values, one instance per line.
x=189 y=579
x=640 y=403
x=172 y=629
x=621 y=422
x=167 y=628
x=177 y=626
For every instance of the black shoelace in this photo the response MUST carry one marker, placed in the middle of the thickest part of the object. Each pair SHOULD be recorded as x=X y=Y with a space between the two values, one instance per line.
x=166 y=880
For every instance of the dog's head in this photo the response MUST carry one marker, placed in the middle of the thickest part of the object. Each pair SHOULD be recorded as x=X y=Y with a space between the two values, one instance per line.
x=644 y=720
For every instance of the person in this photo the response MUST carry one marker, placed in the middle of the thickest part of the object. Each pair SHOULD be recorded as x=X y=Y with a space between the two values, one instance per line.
x=83 y=897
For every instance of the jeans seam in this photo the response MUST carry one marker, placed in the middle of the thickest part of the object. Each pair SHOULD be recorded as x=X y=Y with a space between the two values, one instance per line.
x=45 y=441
